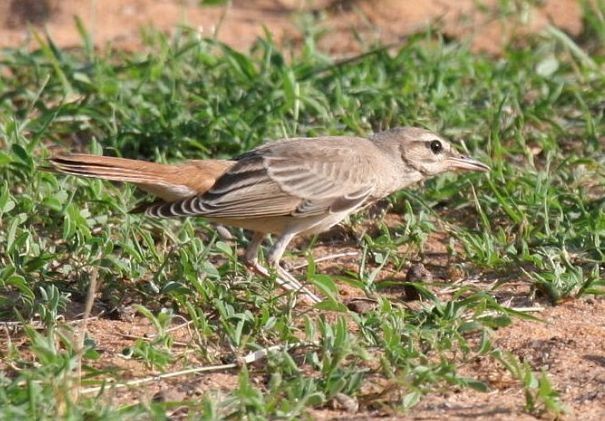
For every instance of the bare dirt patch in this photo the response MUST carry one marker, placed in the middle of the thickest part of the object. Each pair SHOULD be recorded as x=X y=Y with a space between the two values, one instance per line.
x=349 y=25
x=566 y=346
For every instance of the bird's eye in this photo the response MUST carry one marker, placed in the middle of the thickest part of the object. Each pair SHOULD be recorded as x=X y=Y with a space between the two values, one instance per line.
x=436 y=146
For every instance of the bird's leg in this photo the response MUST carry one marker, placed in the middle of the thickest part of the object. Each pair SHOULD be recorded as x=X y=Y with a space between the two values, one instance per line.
x=284 y=279
x=291 y=282
x=251 y=255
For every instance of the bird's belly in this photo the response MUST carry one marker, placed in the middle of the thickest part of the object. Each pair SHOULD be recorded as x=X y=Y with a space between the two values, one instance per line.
x=280 y=224
x=266 y=225
x=324 y=223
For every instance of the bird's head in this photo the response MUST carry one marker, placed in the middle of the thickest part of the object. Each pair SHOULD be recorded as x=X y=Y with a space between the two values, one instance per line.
x=426 y=152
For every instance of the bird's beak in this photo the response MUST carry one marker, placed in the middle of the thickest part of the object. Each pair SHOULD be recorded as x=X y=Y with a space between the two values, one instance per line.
x=465 y=163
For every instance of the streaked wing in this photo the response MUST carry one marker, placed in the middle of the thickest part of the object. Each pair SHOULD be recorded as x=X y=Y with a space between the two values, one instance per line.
x=300 y=182
x=317 y=206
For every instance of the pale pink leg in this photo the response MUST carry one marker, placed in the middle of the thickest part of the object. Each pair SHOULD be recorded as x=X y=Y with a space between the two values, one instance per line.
x=284 y=279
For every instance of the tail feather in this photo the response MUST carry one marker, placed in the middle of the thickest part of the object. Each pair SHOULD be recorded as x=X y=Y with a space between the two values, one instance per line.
x=168 y=182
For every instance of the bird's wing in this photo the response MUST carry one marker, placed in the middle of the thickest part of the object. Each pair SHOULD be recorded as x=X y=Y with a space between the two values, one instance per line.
x=290 y=178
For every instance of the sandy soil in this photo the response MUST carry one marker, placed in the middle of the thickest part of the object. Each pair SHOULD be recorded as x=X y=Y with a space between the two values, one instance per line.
x=350 y=25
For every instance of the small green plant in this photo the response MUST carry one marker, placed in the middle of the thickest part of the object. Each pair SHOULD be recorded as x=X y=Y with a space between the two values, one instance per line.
x=540 y=396
x=155 y=352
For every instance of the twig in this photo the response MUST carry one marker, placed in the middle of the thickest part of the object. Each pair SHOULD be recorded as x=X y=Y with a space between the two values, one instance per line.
x=90 y=297
x=38 y=325
x=248 y=359
x=150 y=338
x=329 y=257
x=527 y=309
x=151 y=379
x=182 y=325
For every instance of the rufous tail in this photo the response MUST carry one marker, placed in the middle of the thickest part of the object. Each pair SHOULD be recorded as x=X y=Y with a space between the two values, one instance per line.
x=169 y=182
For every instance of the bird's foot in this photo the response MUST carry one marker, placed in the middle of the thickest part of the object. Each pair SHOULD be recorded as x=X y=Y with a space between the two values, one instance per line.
x=284 y=279
x=284 y=274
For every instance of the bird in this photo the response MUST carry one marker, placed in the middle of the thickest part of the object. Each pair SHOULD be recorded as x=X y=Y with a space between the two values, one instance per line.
x=285 y=188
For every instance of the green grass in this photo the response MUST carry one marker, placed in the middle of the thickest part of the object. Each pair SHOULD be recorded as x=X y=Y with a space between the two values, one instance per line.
x=535 y=115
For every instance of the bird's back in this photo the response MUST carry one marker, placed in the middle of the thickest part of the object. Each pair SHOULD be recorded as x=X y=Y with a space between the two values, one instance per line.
x=298 y=178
